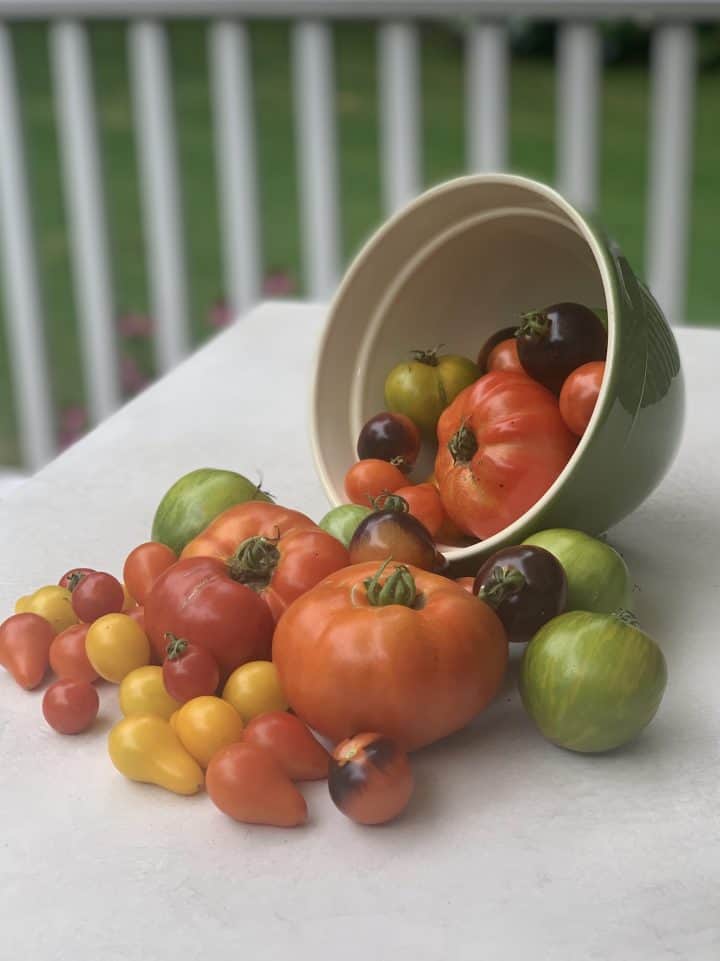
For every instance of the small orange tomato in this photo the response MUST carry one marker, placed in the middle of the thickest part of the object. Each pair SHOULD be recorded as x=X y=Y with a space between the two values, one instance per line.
x=68 y=657
x=24 y=648
x=370 y=779
x=368 y=479
x=579 y=395
x=247 y=783
x=504 y=356
x=424 y=502
x=70 y=706
x=144 y=565
x=288 y=739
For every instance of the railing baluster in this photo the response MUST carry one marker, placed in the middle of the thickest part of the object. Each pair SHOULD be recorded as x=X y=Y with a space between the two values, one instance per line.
x=317 y=155
x=21 y=285
x=486 y=96
x=82 y=172
x=579 y=74
x=234 y=125
x=674 y=63
x=399 y=90
x=157 y=156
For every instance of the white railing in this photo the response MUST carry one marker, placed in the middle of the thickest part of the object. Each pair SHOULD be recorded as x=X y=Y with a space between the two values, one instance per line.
x=579 y=75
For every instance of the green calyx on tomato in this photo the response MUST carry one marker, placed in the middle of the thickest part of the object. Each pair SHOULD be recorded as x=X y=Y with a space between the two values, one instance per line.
x=390 y=502
x=254 y=562
x=535 y=323
x=463 y=446
x=398 y=588
x=176 y=646
x=503 y=583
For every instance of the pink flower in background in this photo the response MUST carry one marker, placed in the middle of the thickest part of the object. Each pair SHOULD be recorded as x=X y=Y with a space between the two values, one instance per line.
x=132 y=377
x=73 y=424
x=278 y=283
x=135 y=325
x=220 y=314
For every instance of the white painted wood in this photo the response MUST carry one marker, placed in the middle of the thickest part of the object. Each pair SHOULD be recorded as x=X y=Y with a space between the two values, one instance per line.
x=399 y=91
x=315 y=128
x=486 y=96
x=235 y=152
x=157 y=158
x=579 y=74
x=674 y=66
x=21 y=284
x=85 y=205
x=374 y=9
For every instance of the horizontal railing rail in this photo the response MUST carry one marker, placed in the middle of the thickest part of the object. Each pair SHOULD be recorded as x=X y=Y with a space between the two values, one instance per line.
x=487 y=61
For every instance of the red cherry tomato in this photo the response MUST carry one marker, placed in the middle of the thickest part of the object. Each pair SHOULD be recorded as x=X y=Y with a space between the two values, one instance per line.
x=97 y=594
x=189 y=670
x=144 y=565
x=301 y=756
x=72 y=578
x=68 y=657
x=370 y=779
x=579 y=395
x=367 y=479
x=70 y=706
x=424 y=503
x=504 y=356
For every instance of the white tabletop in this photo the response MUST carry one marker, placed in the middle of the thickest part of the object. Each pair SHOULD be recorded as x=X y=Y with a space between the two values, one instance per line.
x=512 y=848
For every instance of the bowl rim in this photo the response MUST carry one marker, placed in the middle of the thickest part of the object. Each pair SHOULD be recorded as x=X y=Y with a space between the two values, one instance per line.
x=577 y=219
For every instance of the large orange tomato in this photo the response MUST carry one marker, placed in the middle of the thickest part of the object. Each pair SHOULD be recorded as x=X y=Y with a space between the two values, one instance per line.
x=277 y=552
x=501 y=444
x=397 y=650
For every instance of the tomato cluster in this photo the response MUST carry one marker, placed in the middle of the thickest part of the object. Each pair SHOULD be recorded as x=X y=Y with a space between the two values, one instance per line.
x=501 y=430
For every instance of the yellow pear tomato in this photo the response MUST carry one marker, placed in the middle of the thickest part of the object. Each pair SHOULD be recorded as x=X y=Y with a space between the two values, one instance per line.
x=254 y=688
x=115 y=645
x=142 y=691
x=205 y=724
x=145 y=748
x=51 y=602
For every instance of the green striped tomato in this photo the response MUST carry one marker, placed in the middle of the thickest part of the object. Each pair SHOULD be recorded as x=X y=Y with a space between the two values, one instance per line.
x=591 y=682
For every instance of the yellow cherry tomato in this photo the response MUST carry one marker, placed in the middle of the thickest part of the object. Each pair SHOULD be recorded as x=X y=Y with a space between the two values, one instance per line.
x=21 y=604
x=173 y=720
x=129 y=602
x=205 y=724
x=254 y=688
x=115 y=645
x=145 y=748
x=54 y=604
x=142 y=691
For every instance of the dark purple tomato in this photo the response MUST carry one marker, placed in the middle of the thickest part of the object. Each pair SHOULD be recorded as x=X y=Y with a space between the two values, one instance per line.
x=393 y=534
x=490 y=345
x=370 y=778
x=553 y=342
x=526 y=586
x=391 y=437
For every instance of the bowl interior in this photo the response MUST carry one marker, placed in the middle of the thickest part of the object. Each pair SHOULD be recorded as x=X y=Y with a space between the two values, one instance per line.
x=476 y=274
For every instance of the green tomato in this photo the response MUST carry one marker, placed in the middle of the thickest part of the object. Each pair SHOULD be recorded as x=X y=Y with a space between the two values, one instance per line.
x=598 y=578
x=343 y=521
x=591 y=682
x=196 y=499
x=423 y=387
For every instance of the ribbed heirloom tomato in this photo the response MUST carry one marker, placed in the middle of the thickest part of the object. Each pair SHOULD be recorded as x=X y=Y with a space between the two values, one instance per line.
x=501 y=445
x=395 y=649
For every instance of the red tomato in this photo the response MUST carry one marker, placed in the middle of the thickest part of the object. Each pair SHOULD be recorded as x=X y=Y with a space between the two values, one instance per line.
x=368 y=479
x=468 y=583
x=197 y=599
x=505 y=357
x=370 y=779
x=501 y=444
x=70 y=706
x=424 y=503
x=144 y=565
x=24 y=648
x=579 y=395
x=68 y=657
x=277 y=552
x=96 y=595
x=189 y=670
x=248 y=784
x=301 y=756
x=72 y=578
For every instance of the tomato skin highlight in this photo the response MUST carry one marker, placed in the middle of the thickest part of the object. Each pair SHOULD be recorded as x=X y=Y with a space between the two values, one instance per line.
x=70 y=706
x=504 y=356
x=579 y=395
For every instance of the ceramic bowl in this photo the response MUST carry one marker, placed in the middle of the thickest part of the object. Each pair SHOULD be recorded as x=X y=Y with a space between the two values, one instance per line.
x=463 y=260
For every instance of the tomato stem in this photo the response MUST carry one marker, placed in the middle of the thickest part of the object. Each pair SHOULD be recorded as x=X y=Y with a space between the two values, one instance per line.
x=535 y=323
x=399 y=588
x=176 y=646
x=254 y=562
x=503 y=583
x=74 y=579
x=386 y=501
x=462 y=445
x=429 y=357
x=627 y=617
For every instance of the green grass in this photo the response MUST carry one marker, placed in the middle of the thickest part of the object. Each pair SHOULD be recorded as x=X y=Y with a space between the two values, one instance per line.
x=623 y=181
